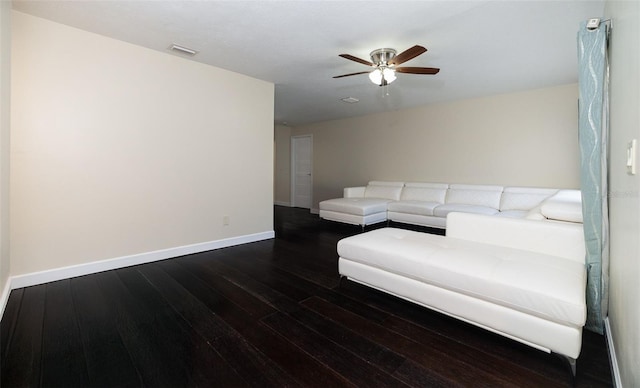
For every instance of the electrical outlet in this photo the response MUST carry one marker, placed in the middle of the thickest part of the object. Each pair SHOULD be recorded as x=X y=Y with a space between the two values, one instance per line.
x=226 y=220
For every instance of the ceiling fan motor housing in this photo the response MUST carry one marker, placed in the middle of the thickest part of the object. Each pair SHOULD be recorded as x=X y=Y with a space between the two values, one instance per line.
x=382 y=56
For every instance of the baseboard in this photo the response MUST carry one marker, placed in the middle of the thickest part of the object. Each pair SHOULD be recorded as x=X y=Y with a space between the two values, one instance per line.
x=35 y=278
x=282 y=203
x=5 y=297
x=615 y=369
x=314 y=211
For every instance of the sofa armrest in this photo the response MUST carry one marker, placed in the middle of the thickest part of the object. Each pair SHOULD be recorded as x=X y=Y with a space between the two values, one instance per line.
x=560 y=239
x=354 y=192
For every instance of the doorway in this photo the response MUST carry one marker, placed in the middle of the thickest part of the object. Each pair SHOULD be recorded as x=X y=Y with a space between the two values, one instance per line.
x=301 y=171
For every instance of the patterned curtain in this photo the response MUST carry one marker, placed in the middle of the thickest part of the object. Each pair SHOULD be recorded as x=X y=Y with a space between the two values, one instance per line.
x=593 y=79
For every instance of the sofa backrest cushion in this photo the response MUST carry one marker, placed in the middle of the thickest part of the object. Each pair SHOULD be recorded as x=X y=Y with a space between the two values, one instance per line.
x=524 y=198
x=562 y=239
x=480 y=195
x=428 y=192
x=380 y=189
x=566 y=205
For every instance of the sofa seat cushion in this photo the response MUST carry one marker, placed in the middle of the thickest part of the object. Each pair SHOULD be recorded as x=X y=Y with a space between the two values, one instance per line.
x=357 y=206
x=535 y=283
x=413 y=207
x=443 y=210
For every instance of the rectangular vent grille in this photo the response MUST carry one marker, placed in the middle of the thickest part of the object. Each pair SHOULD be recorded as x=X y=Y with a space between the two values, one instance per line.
x=182 y=50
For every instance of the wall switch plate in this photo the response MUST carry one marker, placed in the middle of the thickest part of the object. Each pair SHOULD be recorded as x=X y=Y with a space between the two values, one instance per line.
x=631 y=157
x=225 y=220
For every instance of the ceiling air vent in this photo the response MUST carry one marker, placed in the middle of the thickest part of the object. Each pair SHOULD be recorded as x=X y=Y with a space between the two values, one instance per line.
x=350 y=100
x=182 y=50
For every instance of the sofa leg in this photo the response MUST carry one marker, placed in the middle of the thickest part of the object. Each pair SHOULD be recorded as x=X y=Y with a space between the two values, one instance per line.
x=572 y=364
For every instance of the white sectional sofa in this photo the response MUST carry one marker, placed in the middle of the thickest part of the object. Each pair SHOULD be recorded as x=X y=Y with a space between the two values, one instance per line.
x=427 y=204
x=521 y=278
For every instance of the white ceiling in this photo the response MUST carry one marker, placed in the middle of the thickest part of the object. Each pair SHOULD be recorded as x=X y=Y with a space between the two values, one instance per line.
x=482 y=47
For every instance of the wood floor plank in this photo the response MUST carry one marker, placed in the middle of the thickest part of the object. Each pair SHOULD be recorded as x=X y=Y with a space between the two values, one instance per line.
x=200 y=361
x=418 y=376
x=307 y=264
x=22 y=366
x=63 y=361
x=437 y=362
x=330 y=353
x=108 y=361
x=9 y=320
x=593 y=362
x=254 y=306
x=296 y=362
x=455 y=330
x=277 y=278
x=241 y=271
x=434 y=352
x=367 y=350
x=252 y=365
x=161 y=349
x=268 y=289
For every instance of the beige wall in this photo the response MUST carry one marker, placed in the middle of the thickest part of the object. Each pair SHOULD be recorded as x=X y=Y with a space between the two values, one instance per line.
x=119 y=150
x=624 y=198
x=526 y=139
x=282 y=186
x=5 y=123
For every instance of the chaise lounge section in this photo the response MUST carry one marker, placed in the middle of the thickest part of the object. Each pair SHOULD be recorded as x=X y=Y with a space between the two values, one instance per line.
x=523 y=279
x=362 y=205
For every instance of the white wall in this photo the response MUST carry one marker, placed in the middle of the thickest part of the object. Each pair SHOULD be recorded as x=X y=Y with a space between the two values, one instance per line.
x=624 y=189
x=119 y=150
x=527 y=139
x=5 y=123
x=282 y=186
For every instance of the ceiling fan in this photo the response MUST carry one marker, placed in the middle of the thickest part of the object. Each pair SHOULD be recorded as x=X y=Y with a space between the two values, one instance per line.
x=385 y=62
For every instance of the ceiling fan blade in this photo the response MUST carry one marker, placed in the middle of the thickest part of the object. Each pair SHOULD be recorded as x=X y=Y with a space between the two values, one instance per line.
x=356 y=59
x=407 y=54
x=347 y=75
x=417 y=70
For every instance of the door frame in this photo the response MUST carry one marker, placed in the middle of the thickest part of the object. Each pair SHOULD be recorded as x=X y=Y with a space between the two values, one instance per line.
x=293 y=168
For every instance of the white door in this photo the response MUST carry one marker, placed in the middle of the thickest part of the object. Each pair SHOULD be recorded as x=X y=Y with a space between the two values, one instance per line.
x=301 y=168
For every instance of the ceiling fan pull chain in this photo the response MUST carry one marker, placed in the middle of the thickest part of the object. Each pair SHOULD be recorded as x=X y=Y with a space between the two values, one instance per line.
x=385 y=90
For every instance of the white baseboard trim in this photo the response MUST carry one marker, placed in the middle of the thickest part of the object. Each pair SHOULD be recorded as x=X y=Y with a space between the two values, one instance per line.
x=5 y=297
x=615 y=369
x=282 y=203
x=35 y=278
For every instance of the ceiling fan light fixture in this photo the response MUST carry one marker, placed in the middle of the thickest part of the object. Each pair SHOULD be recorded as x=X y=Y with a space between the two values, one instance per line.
x=389 y=75
x=380 y=75
x=376 y=76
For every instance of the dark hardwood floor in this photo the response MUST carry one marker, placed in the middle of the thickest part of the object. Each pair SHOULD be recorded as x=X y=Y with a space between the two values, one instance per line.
x=271 y=313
